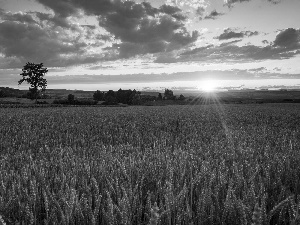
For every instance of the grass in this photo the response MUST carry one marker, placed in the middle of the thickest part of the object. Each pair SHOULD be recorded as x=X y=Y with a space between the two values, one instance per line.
x=233 y=164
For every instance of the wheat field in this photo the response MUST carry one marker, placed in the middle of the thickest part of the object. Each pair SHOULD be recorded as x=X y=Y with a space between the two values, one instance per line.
x=208 y=164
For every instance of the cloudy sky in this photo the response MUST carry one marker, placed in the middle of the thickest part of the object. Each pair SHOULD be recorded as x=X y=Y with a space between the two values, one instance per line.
x=152 y=44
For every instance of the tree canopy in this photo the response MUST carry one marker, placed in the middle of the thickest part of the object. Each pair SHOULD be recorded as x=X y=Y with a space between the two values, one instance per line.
x=34 y=74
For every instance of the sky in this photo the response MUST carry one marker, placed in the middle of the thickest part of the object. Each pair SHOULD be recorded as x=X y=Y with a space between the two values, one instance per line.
x=152 y=44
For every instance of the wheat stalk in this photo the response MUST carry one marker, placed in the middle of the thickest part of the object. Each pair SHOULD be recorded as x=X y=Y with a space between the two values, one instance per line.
x=154 y=215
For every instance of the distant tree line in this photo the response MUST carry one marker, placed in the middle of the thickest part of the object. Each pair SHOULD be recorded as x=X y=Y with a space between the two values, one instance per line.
x=10 y=92
x=71 y=100
x=132 y=97
x=168 y=95
x=128 y=97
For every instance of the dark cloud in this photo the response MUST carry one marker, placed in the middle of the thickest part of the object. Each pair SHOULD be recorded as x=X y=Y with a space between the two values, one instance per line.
x=229 y=34
x=20 y=17
x=141 y=34
x=230 y=3
x=47 y=38
x=289 y=38
x=54 y=20
x=52 y=38
x=265 y=42
x=32 y=43
x=200 y=11
x=141 y=28
x=281 y=49
x=251 y=33
x=285 y=45
x=172 y=11
x=23 y=38
x=63 y=8
x=213 y=15
x=149 y=9
x=28 y=41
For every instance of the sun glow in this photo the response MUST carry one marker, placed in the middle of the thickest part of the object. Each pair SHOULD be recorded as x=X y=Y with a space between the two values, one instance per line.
x=207 y=85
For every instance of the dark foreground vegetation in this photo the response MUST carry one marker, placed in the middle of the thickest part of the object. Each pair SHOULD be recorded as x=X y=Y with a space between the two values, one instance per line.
x=209 y=164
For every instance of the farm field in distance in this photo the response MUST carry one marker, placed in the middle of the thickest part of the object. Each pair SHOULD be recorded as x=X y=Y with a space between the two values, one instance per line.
x=190 y=164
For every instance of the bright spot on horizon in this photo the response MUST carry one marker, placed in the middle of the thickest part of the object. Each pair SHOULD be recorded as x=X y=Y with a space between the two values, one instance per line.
x=207 y=85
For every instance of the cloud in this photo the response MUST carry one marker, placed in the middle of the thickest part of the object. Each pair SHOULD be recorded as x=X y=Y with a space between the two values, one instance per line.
x=48 y=38
x=197 y=50
x=265 y=42
x=172 y=11
x=130 y=29
x=289 y=38
x=32 y=43
x=256 y=70
x=231 y=53
x=20 y=17
x=92 y=27
x=141 y=34
x=229 y=34
x=62 y=8
x=200 y=11
x=213 y=15
x=251 y=33
x=54 y=20
x=286 y=45
x=24 y=37
x=166 y=58
x=230 y=3
x=140 y=28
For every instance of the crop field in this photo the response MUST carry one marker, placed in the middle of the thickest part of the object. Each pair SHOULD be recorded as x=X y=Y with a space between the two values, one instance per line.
x=205 y=164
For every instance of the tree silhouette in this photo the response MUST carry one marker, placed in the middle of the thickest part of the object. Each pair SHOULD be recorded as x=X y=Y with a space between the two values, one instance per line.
x=181 y=97
x=168 y=94
x=71 y=98
x=159 y=97
x=34 y=74
x=110 y=98
x=98 y=95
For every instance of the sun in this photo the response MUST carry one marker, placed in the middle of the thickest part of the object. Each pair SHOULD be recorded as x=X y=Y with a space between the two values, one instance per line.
x=207 y=85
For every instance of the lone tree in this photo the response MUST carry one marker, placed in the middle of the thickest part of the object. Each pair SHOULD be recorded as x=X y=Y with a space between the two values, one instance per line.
x=34 y=74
